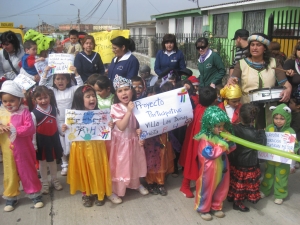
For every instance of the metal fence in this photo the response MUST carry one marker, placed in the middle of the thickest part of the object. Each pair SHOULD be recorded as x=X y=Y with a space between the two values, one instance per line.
x=141 y=43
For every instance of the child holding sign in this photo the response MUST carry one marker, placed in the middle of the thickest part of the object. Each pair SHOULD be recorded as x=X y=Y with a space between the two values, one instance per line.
x=277 y=173
x=127 y=156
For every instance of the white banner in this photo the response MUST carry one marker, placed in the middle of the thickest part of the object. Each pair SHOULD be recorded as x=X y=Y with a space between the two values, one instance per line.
x=24 y=82
x=281 y=141
x=40 y=67
x=87 y=125
x=61 y=62
x=163 y=112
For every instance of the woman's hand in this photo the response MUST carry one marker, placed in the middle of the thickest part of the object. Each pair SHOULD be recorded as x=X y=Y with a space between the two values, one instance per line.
x=285 y=94
x=290 y=73
x=64 y=127
x=213 y=85
x=232 y=81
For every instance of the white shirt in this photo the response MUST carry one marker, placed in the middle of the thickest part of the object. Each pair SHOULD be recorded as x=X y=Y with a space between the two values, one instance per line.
x=229 y=111
x=5 y=68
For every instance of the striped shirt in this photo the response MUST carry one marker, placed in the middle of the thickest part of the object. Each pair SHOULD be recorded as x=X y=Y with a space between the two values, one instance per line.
x=240 y=54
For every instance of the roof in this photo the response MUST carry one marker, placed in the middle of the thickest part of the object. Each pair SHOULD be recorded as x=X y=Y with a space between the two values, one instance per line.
x=235 y=3
x=142 y=23
x=173 y=14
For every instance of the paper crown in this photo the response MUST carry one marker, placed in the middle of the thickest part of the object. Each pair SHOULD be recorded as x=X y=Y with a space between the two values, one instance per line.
x=121 y=82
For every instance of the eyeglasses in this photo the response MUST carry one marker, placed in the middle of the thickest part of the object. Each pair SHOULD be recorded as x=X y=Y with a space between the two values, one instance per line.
x=201 y=47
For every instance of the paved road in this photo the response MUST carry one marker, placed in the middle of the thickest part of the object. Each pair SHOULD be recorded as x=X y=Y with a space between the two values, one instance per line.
x=61 y=208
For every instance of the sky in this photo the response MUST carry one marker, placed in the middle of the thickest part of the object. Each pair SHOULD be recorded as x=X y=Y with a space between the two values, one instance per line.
x=30 y=13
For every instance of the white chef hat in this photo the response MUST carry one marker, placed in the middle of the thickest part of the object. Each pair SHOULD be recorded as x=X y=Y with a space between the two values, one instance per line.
x=11 y=87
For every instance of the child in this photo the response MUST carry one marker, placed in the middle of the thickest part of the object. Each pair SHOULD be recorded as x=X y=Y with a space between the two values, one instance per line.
x=145 y=73
x=16 y=131
x=244 y=165
x=47 y=135
x=139 y=85
x=231 y=105
x=127 y=158
x=188 y=156
x=213 y=179
x=74 y=47
x=281 y=123
x=104 y=89
x=28 y=60
x=64 y=93
x=195 y=82
x=89 y=169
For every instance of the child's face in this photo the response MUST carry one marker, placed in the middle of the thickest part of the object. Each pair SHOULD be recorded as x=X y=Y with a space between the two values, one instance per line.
x=43 y=101
x=139 y=87
x=234 y=102
x=124 y=94
x=32 y=50
x=196 y=87
x=61 y=82
x=10 y=102
x=279 y=120
x=89 y=100
x=103 y=93
x=88 y=45
x=73 y=39
x=218 y=128
x=293 y=106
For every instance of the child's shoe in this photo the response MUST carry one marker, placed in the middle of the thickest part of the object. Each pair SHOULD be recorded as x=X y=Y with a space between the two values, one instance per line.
x=114 y=198
x=278 y=201
x=87 y=201
x=206 y=216
x=152 y=188
x=64 y=171
x=143 y=190
x=57 y=185
x=38 y=202
x=45 y=188
x=10 y=205
x=219 y=214
x=161 y=190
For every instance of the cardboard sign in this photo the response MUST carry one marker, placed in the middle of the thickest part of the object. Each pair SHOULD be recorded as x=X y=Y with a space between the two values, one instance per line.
x=87 y=125
x=281 y=141
x=24 y=82
x=61 y=62
x=163 y=112
x=103 y=44
x=40 y=67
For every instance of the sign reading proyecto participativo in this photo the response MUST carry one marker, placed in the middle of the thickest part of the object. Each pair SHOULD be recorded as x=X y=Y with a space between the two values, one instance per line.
x=281 y=141
x=87 y=125
x=60 y=62
x=163 y=112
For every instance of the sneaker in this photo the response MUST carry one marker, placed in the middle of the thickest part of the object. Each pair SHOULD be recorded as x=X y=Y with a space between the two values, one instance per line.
x=143 y=190
x=57 y=185
x=38 y=202
x=87 y=201
x=114 y=198
x=10 y=205
x=64 y=171
x=152 y=188
x=278 y=201
x=262 y=195
x=219 y=214
x=45 y=188
x=161 y=190
x=206 y=216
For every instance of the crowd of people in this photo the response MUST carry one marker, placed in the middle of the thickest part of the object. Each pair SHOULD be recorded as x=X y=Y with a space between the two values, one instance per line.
x=32 y=122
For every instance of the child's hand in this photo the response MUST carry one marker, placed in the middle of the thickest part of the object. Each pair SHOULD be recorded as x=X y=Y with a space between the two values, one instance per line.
x=73 y=68
x=47 y=69
x=4 y=128
x=37 y=78
x=64 y=127
x=111 y=124
x=141 y=142
x=130 y=106
x=138 y=132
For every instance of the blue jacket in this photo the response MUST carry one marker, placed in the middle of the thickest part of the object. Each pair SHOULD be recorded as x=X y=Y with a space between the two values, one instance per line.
x=87 y=65
x=128 y=66
x=30 y=70
x=164 y=62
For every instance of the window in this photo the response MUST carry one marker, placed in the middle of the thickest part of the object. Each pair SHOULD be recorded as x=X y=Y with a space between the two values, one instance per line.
x=140 y=31
x=254 y=21
x=220 y=25
x=197 y=24
x=133 y=31
x=179 y=26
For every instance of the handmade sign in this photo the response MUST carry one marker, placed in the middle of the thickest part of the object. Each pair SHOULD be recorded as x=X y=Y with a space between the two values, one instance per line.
x=87 y=125
x=60 y=62
x=281 y=141
x=40 y=67
x=103 y=44
x=163 y=112
x=24 y=82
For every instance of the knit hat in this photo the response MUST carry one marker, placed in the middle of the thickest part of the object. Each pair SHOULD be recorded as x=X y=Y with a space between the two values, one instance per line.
x=120 y=81
x=194 y=80
x=11 y=87
x=230 y=92
x=259 y=38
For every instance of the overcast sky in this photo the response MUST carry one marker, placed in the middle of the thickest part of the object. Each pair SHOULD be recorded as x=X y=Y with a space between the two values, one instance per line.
x=31 y=12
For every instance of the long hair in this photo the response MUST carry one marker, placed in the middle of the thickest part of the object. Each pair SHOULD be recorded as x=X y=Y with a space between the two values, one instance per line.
x=120 y=41
x=104 y=82
x=12 y=38
x=294 y=53
x=78 y=102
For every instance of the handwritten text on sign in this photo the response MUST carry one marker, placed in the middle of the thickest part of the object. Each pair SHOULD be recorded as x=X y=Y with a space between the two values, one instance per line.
x=87 y=125
x=281 y=141
x=163 y=112
x=24 y=82
x=40 y=67
x=60 y=62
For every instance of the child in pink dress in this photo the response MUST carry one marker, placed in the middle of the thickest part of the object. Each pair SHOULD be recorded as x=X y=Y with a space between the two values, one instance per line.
x=127 y=156
x=16 y=132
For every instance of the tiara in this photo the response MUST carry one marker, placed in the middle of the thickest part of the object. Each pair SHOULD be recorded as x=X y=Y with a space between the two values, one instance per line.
x=120 y=81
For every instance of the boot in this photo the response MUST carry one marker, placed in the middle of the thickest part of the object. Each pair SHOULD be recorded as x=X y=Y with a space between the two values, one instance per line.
x=185 y=188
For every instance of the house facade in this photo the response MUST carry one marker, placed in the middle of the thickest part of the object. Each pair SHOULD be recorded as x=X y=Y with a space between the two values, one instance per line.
x=142 y=28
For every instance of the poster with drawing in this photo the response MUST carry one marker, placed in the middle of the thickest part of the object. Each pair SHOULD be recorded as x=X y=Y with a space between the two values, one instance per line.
x=60 y=62
x=40 y=67
x=161 y=113
x=24 y=82
x=87 y=125
x=281 y=141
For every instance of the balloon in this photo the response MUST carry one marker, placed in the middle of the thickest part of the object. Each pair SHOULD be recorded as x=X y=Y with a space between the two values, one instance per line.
x=258 y=147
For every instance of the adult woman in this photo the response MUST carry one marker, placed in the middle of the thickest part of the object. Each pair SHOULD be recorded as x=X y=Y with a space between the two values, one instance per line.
x=13 y=52
x=169 y=57
x=88 y=62
x=210 y=65
x=125 y=64
x=292 y=65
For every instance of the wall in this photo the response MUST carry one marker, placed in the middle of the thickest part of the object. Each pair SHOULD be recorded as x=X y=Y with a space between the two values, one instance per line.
x=172 y=26
x=162 y=26
x=187 y=25
x=150 y=31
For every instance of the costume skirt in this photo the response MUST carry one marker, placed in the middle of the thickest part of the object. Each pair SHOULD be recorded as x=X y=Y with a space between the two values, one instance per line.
x=244 y=183
x=89 y=169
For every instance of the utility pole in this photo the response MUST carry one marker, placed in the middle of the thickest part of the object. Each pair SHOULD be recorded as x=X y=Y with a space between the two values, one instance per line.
x=78 y=20
x=124 y=14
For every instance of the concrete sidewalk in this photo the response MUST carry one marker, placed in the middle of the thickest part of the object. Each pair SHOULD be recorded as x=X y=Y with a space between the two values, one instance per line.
x=61 y=208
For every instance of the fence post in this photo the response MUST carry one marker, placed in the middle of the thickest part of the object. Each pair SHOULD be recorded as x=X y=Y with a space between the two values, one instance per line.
x=270 y=26
x=151 y=47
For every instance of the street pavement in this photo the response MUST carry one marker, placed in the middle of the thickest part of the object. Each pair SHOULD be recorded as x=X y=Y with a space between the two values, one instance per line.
x=61 y=208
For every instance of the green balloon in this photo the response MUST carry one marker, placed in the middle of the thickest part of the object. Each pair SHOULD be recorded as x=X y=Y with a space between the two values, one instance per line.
x=258 y=147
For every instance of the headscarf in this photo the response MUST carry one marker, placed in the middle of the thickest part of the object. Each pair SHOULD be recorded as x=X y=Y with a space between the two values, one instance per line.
x=230 y=92
x=259 y=38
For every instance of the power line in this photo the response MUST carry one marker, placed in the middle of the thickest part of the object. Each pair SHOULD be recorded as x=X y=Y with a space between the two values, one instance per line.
x=153 y=6
x=105 y=11
x=92 y=12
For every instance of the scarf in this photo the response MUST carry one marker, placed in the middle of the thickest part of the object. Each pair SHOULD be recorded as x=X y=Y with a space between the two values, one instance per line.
x=203 y=57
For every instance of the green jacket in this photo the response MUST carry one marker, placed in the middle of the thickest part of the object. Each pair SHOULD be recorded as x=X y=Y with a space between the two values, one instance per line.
x=212 y=70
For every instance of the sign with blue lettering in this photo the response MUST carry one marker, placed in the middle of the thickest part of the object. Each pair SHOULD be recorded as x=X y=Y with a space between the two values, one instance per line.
x=281 y=141
x=161 y=113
